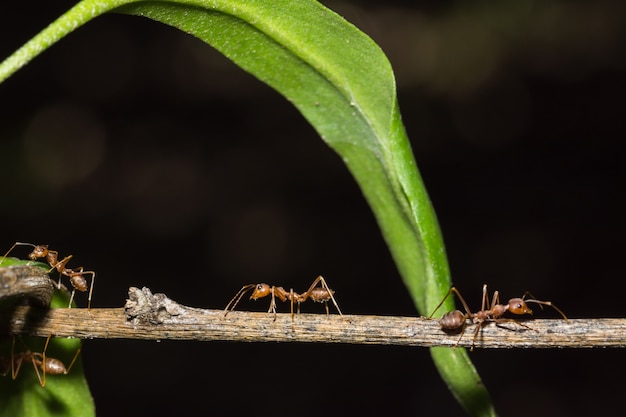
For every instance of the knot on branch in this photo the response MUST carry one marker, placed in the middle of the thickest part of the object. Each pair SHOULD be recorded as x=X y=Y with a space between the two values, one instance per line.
x=143 y=307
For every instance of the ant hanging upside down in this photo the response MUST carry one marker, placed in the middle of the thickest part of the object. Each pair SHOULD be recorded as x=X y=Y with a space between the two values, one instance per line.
x=321 y=294
x=48 y=365
x=76 y=276
x=456 y=320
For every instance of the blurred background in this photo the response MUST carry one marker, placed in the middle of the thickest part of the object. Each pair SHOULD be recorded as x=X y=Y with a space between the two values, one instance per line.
x=156 y=162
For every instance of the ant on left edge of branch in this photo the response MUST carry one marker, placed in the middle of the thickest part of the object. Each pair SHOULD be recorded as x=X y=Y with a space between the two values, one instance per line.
x=456 y=320
x=319 y=294
x=76 y=276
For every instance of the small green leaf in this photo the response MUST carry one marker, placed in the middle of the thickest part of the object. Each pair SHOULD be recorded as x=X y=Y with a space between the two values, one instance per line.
x=64 y=395
x=10 y=261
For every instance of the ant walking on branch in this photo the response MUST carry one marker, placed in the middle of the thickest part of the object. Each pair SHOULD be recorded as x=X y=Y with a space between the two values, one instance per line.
x=456 y=320
x=319 y=294
x=48 y=365
x=76 y=276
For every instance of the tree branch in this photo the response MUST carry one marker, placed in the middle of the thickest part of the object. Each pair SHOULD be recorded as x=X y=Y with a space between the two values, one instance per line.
x=26 y=282
x=156 y=317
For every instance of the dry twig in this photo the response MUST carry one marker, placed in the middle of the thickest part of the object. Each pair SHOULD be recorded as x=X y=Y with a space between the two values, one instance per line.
x=156 y=317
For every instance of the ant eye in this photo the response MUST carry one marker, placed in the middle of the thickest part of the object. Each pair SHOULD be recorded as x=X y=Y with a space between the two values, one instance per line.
x=259 y=287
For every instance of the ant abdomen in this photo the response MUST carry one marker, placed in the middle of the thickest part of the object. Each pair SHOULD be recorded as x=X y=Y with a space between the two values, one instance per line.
x=79 y=283
x=55 y=367
x=452 y=320
x=321 y=295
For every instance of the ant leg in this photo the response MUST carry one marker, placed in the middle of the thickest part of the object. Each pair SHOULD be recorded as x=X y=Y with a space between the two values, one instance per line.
x=330 y=292
x=43 y=365
x=464 y=325
x=60 y=267
x=441 y=303
x=42 y=382
x=496 y=299
x=75 y=357
x=15 y=369
x=478 y=327
x=272 y=308
x=485 y=299
x=16 y=364
x=459 y=296
x=93 y=280
x=71 y=298
x=235 y=300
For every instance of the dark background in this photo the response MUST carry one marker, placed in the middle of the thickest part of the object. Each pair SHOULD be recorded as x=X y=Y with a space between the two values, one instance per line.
x=158 y=163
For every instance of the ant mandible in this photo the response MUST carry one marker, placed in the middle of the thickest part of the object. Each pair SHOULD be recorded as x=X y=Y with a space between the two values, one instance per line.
x=456 y=320
x=76 y=277
x=48 y=365
x=321 y=294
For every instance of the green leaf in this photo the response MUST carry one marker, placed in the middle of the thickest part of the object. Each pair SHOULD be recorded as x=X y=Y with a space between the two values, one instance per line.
x=10 y=261
x=343 y=84
x=64 y=395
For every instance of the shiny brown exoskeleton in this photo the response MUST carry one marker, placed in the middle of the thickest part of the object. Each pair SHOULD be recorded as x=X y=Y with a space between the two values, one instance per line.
x=456 y=321
x=319 y=294
x=76 y=276
x=47 y=365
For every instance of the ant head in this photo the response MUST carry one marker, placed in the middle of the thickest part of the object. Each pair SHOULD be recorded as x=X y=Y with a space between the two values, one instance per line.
x=39 y=251
x=519 y=306
x=260 y=291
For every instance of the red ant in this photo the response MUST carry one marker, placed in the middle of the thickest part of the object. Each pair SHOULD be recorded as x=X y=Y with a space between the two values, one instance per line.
x=77 y=277
x=456 y=320
x=48 y=365
x=320 y=294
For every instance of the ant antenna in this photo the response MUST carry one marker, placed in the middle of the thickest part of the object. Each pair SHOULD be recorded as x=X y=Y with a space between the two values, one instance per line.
x=235 y=300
